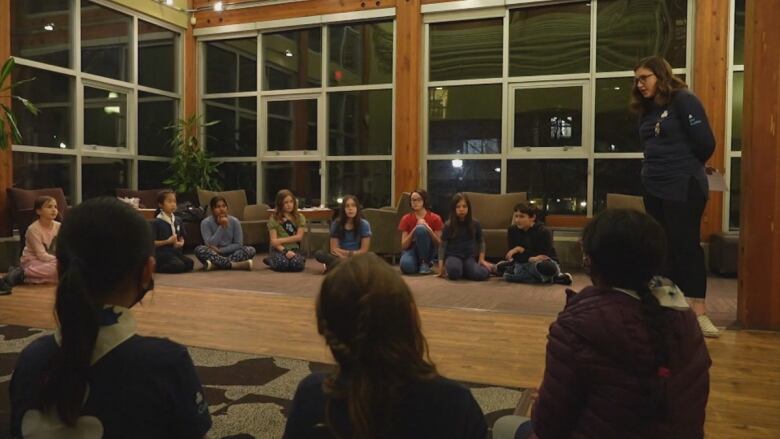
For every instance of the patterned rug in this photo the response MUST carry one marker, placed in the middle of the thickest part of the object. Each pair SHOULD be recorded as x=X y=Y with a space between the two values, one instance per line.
x=248 y=395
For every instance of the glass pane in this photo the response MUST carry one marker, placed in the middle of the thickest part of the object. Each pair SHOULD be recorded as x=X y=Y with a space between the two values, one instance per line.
x=292 y=59
x=231 y=65
x=152 y=174
x=616 y=128
x=615 y=176
x=236 y=133
x=101 y=176
x=39 y=171
x=40 y=31
x=105 y=41
x=739 y=32
x=292 y=125
x=105 y=118
x=368 y=180
x=361 y=53
x=361 y=122
x=554 y=186
x=548 y=40
x=464 y=119
x=466 y=49
x=736 y=184
x=446 y=177
x=737 y=91
x=629 y=30
x=52 y=93
x=155 y=112
x=302 y=178
x=548 y=117
x=156 y=56
x=240 y=176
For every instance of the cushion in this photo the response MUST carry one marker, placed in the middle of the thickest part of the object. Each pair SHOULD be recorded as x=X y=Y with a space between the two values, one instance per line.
x=622 y=201
x=494 y=211
x=24 y=199
x=236 y=201
x=148 y=197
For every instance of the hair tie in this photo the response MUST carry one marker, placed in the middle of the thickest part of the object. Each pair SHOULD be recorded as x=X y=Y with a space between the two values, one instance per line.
x=664 y=372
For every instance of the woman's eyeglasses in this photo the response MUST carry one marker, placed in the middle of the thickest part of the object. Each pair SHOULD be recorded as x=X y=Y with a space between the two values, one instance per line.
x=642 y=78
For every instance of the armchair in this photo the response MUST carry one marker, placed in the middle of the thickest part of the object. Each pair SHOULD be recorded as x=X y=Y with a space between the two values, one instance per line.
x=386 y=239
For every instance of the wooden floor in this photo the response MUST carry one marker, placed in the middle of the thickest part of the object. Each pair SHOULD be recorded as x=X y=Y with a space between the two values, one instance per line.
x=471 y=345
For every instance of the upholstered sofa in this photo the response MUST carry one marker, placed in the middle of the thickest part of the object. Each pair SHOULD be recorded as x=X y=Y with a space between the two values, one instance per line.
x=253 y=217
x=494 y=212
x=385 y=237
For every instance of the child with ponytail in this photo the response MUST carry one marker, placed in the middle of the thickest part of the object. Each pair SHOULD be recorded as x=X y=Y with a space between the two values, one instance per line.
x=95 y=377
x=626 y=357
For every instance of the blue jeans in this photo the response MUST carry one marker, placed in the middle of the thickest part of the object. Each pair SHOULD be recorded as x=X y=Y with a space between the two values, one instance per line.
x=422 y=249
x=469 y=268
x=527 y=273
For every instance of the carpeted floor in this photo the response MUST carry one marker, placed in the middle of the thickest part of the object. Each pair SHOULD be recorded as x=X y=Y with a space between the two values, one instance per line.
x=248 y=395
x=492 y=295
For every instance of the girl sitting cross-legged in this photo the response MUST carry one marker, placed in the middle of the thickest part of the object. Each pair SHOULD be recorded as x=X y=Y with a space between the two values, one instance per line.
x=169 y=236
x=462 y=250
x=285 y=229
x=420 y=235
x=223 y=240
x=350 y=234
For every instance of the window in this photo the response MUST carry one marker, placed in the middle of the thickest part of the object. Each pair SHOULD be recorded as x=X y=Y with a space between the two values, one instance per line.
x=360 y=123
x=52 y=93
x=292 y=125
x=101 y=176
x=465 y=50
x=360 y=54
x=734 y=115
x=155 y=114
x=547 y=116
x=302 y=178
x=295 y=57
x=464 y=119
x=105 y=118
x=450 y=176
x=231 y=65
x=38 y=171
x=554 y=186
x=368 y=180
x=105 y=41
x=40 y=31
x=235 y=133
x=156 y=56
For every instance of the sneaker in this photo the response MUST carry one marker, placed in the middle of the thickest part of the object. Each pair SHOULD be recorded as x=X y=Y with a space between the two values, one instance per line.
x=209 y=266
x=708 y=329
x=424 y=268
x=501 y=266
x=562 y=279
x=15 y=276
x=243 y=265
x=249 y=264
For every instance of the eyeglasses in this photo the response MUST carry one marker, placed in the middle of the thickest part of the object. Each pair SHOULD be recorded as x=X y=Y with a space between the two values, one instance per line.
x=416 y=199
x=642 y=78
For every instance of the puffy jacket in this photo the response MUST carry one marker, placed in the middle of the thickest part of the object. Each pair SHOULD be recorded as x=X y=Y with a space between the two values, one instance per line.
x=600 y=369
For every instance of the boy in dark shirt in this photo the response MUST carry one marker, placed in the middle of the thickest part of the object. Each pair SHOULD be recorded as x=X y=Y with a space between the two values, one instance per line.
x=531 y=257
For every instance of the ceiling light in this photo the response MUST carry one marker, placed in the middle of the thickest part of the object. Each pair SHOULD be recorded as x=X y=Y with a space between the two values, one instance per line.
x=218 y=7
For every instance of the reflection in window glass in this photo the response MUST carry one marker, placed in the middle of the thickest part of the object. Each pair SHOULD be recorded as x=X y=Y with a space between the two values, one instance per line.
x=361 y=122
x=105 y=41
x=446 y=177
x=553 y=186
x=549 y=40
x=368 y=180
x=302 y=178
x=39 y=171
x=616 y=128
x=292 y=59
x=466 y=50
x=156 y=56
x=615 y=176
x=101 y=176
x=737 y=91
x=360 y=53
x=292 y=125
x=235 y=134
x=105 y=118
x=152 y=174
x=739 y=32
x=234 y=176
x=52 y=93
x=40 y=31
x=548 y=117
x=629 y=30
x=155 y=113
x=231 y=65
x=735 y=187
x=464 y=119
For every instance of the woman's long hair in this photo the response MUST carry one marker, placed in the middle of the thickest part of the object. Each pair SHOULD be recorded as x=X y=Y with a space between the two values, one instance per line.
x=667 y=84
x=369 y=320
x=103 y=245
x=279 y=205
x=341 y=222
x=626 y=249
x=454 y=222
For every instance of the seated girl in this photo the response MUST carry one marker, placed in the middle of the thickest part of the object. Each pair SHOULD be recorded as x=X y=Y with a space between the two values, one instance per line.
x=623 y=360
x=385 y=385
x=350 y=234
x=420 y=235
x=38 y=262
x=223 y=240
x=285 y=229
x=462 y=250
x=169 y=236
x=95 y=377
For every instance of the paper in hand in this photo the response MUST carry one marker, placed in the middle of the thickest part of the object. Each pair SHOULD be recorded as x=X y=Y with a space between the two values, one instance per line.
x=716 y=181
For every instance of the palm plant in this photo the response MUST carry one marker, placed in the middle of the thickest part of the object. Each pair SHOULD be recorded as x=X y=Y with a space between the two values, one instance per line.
x=191 y=168
x=7 y=117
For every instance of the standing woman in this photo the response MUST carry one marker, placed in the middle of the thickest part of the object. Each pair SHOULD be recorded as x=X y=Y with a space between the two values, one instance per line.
x=677 y=143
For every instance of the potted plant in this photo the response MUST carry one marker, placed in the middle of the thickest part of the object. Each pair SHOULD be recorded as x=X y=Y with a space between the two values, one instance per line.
x=191 y=168
x=7 y=117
